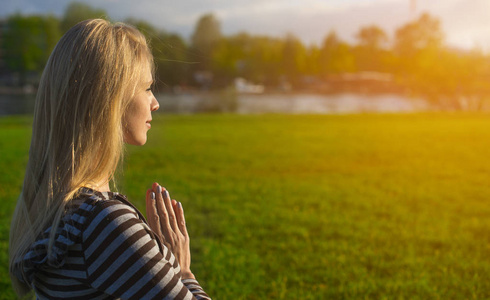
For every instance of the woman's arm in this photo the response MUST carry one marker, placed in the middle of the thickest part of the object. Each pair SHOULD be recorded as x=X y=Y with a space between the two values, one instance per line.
x=122 y=258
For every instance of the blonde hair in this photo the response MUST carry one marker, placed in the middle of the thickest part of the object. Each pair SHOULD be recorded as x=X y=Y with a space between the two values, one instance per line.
x=77 y=135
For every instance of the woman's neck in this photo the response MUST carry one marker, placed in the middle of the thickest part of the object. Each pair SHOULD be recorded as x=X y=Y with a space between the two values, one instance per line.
x=103 y=186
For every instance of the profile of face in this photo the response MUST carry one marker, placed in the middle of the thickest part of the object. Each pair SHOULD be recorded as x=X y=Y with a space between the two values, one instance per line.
x=137 y=118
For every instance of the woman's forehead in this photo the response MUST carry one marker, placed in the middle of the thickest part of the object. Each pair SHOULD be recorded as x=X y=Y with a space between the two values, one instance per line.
x=147 y=75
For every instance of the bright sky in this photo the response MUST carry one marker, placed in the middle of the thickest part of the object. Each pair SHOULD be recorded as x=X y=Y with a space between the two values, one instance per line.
x=466 y=23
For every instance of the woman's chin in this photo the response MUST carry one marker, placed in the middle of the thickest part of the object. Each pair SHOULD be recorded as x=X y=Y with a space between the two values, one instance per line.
x=136 y=141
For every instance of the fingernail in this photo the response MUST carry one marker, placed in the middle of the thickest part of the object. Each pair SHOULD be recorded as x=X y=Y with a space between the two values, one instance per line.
x=152 y=195
x=166 y=194
x=159 y=189
x=179 y=204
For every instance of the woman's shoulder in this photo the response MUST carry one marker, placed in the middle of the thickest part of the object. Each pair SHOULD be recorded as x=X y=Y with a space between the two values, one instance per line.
x=90 y=209
x=79 y=214
x=95 y=212
x=89 y=203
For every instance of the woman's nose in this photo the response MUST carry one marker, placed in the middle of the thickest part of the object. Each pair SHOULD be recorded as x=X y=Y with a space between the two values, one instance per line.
x=154 y=104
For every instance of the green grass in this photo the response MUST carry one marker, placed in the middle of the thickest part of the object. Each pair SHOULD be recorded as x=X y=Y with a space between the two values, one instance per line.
x=311 y=206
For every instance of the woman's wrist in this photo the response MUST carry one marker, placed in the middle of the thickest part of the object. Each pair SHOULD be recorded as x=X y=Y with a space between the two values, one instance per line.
x=188 y=275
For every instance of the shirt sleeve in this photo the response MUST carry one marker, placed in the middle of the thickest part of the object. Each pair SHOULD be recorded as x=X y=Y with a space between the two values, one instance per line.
x=123 y=260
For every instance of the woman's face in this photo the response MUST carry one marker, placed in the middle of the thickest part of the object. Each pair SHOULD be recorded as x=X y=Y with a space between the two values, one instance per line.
x=136 y=120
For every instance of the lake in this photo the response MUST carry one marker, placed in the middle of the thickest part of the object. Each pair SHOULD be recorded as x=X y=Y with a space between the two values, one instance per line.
x=293 y=103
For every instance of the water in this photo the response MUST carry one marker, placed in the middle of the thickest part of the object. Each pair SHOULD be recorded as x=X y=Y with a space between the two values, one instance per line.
x=16 y=104
x=254 y=104
x=328 y=104
x=289 y=103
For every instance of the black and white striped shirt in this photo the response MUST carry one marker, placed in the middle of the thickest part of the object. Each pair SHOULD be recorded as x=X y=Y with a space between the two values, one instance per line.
x=104 y=249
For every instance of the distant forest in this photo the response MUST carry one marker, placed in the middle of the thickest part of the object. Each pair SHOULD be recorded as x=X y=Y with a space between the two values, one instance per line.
x=416 y=61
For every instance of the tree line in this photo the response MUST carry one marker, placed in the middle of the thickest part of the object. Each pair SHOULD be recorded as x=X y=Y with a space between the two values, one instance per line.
x=415 y=61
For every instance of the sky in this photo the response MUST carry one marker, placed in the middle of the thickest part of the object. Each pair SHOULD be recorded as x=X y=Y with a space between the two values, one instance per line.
x=466 y=23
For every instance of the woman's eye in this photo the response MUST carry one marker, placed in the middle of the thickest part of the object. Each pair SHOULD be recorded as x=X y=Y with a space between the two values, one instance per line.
x=149 y=89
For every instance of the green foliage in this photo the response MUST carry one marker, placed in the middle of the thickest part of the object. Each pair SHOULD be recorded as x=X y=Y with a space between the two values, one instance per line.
x=28 y=41
x=449 y=79
x=336 y=56
x=372 y=37
x=204 y=39
x=312 y=206
x=424 y=33
x=294 y=58
x=171 y=56
x=418 y=60
x=169 y=52
x=78 y=11
x=371 y=53
x=207 y=33
x=257 y=58
x=230 y=55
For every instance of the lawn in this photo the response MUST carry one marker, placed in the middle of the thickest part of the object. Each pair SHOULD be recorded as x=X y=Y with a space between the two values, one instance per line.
x=390 y=206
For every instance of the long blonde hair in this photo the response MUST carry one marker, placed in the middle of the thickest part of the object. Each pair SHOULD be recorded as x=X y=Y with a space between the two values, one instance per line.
x=77 y=134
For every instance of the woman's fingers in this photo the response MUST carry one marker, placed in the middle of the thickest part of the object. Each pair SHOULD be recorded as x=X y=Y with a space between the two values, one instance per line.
x=152 y=212
x=171 y=214
x=179 y=214
x=166 y=218
x=162 y=212
x=168 y=213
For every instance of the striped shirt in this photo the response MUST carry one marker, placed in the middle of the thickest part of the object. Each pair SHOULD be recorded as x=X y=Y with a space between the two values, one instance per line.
x=104 y=249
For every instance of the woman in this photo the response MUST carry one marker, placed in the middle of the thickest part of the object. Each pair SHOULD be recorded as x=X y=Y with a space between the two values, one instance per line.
x=71 y=238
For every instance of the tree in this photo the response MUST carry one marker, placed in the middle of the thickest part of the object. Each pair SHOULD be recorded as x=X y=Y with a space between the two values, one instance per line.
x=231 y=57
x=265 y=60
x=370 y=53
x=28 y=42
x=148 y=30
x=313 y=56
x=422 y=34
x=448 y=79
x=77 y=11
x=372 y=37
x=169 y=53
x=205 y=38
x=336 y=56
x=294 y=58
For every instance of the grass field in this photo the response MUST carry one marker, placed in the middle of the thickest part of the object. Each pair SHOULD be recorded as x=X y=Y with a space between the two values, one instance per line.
x=311 y=206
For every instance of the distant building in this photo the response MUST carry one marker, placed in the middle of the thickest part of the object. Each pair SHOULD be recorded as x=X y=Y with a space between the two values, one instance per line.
x=204 y=79
x=245 y=87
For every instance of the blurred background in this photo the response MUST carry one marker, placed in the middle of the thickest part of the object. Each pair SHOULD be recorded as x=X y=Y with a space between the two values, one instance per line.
x=322 y=149
x=276 y=56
